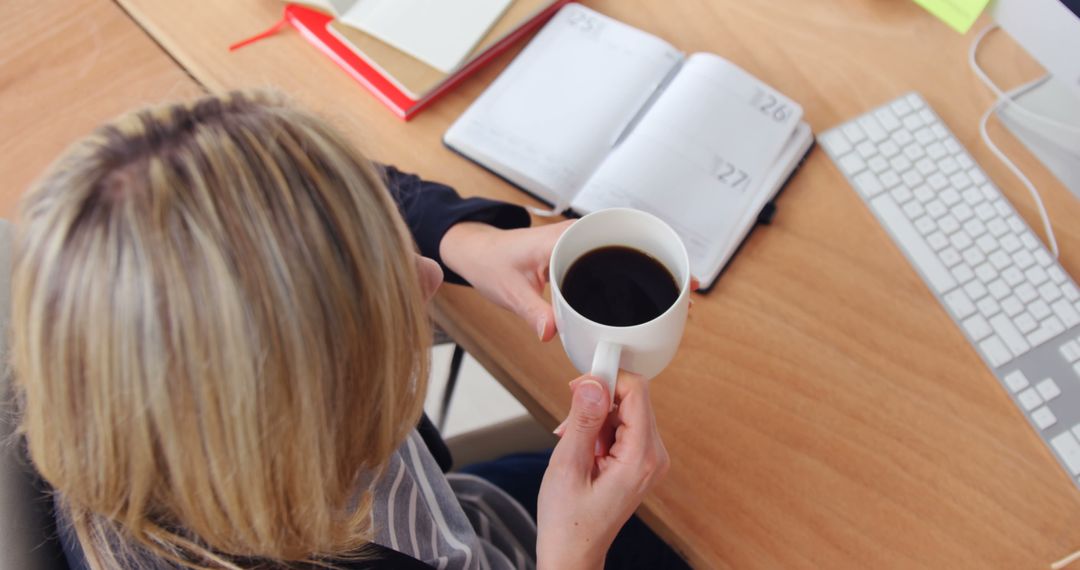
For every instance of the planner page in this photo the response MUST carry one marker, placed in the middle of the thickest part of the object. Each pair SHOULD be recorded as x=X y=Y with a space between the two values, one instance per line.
x=550 y=118
x=698 y=156
x=439 y=33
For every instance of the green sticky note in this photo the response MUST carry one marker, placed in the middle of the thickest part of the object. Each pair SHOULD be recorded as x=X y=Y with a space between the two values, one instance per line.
x=958 y=14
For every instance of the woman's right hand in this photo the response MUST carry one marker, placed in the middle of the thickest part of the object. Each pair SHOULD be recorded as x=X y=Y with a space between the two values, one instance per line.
x=591 y=487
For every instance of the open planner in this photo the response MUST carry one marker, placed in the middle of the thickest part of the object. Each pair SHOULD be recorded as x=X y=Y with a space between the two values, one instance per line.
x=595 y=114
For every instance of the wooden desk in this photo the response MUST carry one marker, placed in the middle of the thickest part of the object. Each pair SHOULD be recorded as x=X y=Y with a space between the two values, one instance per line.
x=65 y=67
x=823 y=411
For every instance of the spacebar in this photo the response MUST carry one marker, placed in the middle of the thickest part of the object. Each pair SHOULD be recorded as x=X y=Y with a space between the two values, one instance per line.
x=909 y=239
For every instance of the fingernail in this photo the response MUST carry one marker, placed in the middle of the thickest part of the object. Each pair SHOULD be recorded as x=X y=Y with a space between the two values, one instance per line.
x=541 y=326
x=591 y=392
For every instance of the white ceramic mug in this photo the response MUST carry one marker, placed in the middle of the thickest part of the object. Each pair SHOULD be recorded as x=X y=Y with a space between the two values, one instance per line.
x=599 y=349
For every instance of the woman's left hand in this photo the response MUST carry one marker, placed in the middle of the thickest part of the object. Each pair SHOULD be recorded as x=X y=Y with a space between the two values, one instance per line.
x=508 y=267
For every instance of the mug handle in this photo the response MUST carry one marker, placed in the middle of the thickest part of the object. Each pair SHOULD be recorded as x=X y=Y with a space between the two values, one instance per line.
x=605 y=364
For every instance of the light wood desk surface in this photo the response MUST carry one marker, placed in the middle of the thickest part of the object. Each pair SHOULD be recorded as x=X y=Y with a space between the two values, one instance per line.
x=823 y=411
x=65 y=67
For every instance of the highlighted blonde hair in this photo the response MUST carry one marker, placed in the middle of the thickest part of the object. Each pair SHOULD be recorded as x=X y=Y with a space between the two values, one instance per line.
x=218 y=334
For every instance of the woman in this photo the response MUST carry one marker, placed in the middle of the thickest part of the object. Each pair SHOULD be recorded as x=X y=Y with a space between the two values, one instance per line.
x=219 y=342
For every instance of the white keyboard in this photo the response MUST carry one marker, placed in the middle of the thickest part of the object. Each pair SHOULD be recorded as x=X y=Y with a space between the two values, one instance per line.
x=1008 y=295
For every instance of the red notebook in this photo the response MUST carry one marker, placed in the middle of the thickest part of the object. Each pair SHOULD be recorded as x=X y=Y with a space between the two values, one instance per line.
x=313 y=25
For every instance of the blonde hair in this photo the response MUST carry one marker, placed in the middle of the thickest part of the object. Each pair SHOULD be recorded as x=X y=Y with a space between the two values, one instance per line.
x=217 y=329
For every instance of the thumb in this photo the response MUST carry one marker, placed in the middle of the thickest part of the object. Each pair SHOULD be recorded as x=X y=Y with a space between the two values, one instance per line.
x=588 y=413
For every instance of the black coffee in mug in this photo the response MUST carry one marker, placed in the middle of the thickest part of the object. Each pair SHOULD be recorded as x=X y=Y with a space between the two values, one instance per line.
x=619 y=286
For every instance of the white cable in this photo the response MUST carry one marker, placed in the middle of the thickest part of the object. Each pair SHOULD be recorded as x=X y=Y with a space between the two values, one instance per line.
x=1004 y=99
x=981 y=74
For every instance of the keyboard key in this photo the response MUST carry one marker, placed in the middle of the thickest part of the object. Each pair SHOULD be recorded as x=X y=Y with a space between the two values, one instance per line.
x=975 y=290
x=973 y=256
x=960 y=180
x=1016 y=381
x=995 y=351
x=851 y=164
x=912 y=178
x=1012 y=276
x=925 y=136
x=987 y=243
x=1000 y=260
x=918 y=252
x=1036 y=275
x=972 y=196
x=950 y=257
x=949 y=224
x=913 y=209
x=1069 y=316
x=1049 y=292
x=985 y=212
x=836 y=143
x=867 y=184
x=1043 y=258
x=959 y=303
x=1048 y=389
x=853 y=133
x=937 y=240
x=974 y=227
x=936 y=209
x=1023 y=259
x=1026 y=323
x=872 y=128
x=887 y=119
x=878 y=164
x=1026 y=293
x=1030 y=399
x=961 y=241
x=985 y=273
x=1043 y=417
x=948 y=166
x=889 y=178
x=1070 y=351
x=935 y=151
x=1039 y=309
x=988 y=306
x=925 y=225
x=901 y=107
x=1068 y=450
x=963 y=273
x=998 y=228
x=1009 y=242
x=1012 y=306
x=977 y=327
x=1008 y=333
x=998 y=289
x=901 y=194
x=949 y=196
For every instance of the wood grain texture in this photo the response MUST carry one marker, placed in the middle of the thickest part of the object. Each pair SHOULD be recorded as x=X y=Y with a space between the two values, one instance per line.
x=65 y=67
x=823 y=411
